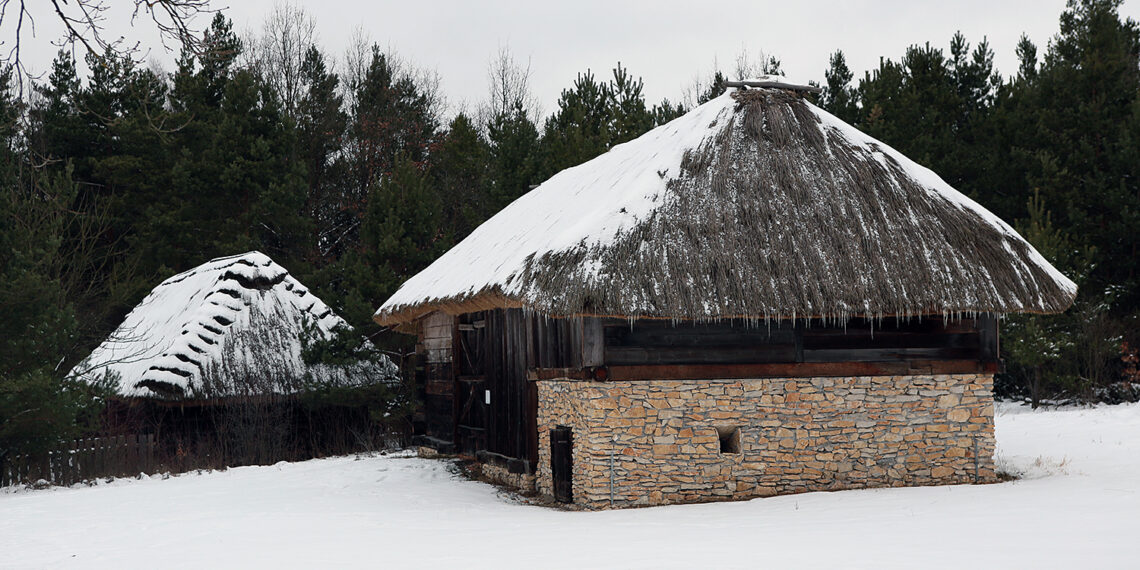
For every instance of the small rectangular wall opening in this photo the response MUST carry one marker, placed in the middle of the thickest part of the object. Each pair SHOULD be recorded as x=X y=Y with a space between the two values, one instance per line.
x=729 y=439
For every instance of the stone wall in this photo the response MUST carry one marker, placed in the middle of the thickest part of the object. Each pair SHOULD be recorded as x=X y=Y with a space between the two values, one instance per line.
x=677 y=441
x=498 y=474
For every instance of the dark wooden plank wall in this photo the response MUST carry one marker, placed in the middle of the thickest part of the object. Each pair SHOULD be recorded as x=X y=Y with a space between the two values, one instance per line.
x=495 y=405
x=556 y=343
x=931 y=338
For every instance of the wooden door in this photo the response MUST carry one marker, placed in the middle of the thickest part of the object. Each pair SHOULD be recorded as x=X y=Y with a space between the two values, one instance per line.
x=471 y=408
x=562 y=463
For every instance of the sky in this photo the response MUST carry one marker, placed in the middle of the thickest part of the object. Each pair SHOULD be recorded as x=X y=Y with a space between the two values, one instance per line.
x=669 y=43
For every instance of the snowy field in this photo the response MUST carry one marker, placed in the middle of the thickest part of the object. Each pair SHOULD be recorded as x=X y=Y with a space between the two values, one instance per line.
x=1077 y=505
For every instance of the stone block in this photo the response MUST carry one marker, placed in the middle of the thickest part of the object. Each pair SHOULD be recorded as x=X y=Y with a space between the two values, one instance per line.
x=941 y=472
x=958 y=415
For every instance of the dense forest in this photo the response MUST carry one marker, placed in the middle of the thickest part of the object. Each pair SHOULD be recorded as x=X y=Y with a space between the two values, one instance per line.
x=350 y=172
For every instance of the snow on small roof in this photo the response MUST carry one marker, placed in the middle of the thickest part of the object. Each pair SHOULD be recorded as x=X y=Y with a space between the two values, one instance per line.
x=231 y=326
x=756 y=204
x=775 y=82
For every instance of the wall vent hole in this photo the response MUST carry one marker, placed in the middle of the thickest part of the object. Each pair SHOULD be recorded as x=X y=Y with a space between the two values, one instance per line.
x=729 y=439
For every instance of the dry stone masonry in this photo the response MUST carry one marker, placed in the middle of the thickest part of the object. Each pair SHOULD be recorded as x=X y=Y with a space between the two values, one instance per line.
x=679 y=441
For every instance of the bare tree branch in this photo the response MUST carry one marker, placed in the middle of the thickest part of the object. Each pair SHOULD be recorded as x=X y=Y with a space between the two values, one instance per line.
x=84 y=24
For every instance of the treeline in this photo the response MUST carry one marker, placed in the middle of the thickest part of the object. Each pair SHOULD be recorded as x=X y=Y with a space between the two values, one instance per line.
x=351 y=173
x=346 y=172
x=1055 y=151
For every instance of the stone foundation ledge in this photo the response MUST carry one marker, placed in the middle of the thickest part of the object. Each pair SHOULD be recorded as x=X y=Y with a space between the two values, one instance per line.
x=524 y=482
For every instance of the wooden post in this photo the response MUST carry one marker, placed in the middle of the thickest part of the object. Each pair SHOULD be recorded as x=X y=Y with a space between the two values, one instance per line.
x=150 y=468
x=72 y=469
x=101 y=454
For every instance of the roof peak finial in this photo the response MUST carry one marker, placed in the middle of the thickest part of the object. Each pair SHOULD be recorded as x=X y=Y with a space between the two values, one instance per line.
x=772 y=82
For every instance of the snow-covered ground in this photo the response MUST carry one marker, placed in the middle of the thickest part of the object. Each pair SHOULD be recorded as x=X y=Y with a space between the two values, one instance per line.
x=1077 y=505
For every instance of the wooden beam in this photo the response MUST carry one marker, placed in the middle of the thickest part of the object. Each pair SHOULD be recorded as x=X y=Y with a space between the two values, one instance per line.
x=558 y=374
x=798 y=370
x=769 y=370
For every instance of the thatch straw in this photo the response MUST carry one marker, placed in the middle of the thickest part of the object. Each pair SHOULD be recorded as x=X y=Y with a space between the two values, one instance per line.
x=781 y=216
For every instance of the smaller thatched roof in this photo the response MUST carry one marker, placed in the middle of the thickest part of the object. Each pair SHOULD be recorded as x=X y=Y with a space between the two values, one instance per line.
x=756 y=204
x=233 y=326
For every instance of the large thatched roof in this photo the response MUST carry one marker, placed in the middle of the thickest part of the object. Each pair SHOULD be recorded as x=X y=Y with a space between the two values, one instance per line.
x=756 y=204
x=233 y=326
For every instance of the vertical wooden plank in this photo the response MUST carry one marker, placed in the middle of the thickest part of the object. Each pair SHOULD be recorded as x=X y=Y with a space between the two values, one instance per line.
x=88 y=464
x=133 y=454
x=799 y=330
x=532 y=426
x=593 y=342
x=88 y=458
x=91 y=465
x=112 y=456
x=513 y=392
x=76 y=467
x=506 y=392
x=506 y=443
x=542 y=325
x=102 y=454
x=59 y=463
x=72 y=463
x=987 y=325
x=121 y=467
x=532 y=328
x=518 y=390
x=150 y=466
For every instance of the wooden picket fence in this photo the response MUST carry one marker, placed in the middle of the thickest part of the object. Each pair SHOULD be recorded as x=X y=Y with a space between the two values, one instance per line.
x=84 y=460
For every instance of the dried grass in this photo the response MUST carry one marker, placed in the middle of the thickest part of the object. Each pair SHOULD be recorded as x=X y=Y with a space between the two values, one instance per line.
x=777 y=218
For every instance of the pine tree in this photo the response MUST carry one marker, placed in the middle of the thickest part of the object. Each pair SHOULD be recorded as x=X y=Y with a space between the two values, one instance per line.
x=39 y=408
x=390 y=118
x=666 y=111
x=399 y=236
x=628 y=115
x=1086 y=116
x=838 y=96
x=513 y=158
x=714 y=89
x=1026 y=59
x=580 y=129
x=321 y=125
x=459 y=174
x=592 y=117
x=57 y=131
x=1041 y=348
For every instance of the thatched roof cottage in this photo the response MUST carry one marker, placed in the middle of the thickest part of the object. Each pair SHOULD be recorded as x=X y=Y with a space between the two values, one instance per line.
x=231 y=327
x=753 y=299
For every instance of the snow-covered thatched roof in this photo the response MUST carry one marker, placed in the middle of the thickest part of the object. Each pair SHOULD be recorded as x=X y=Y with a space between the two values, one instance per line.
x=233 y=326
x=756 y=204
